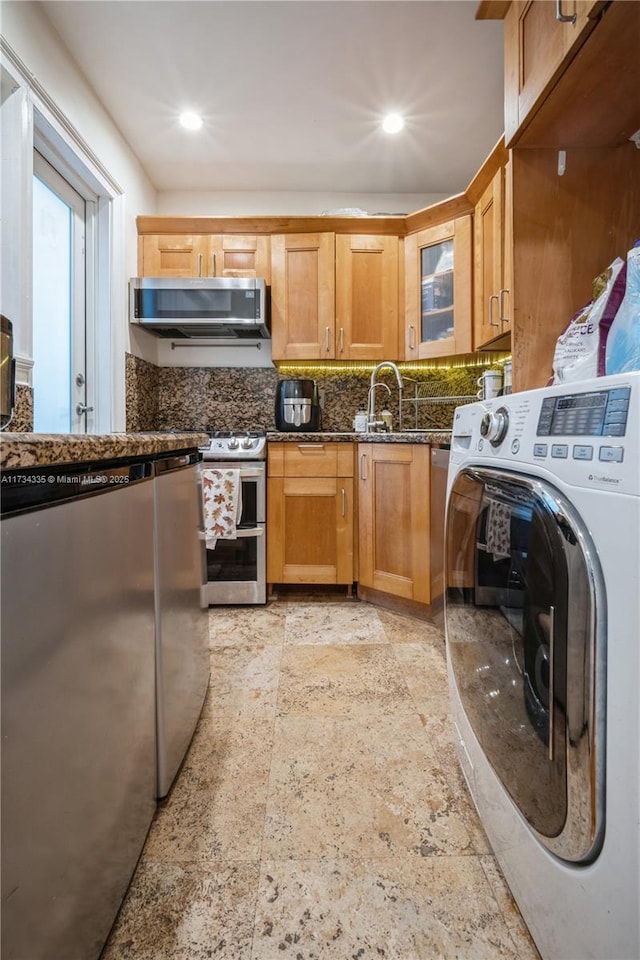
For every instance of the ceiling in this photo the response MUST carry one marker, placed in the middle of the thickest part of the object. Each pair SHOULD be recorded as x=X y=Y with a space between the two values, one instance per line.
x=293 y=92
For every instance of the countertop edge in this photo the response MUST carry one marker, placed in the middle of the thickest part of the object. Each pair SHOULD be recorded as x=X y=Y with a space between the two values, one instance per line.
x=19 y=451
x=432 y=437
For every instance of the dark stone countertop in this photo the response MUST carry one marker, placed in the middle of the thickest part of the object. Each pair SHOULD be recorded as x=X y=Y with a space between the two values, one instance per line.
x=433 y=437
x=21 y=450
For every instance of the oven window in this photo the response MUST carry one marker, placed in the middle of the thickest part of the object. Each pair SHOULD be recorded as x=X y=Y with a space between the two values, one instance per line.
x=511 y=568
x=249 y=513
x=233 y=560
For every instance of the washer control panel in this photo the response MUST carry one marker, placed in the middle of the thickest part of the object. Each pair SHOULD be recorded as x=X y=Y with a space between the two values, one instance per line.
x=601 y=413
x=586 y=433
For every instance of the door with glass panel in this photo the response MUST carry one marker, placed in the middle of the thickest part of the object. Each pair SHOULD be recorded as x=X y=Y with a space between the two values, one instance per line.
x=61 y=391
x=438 y=290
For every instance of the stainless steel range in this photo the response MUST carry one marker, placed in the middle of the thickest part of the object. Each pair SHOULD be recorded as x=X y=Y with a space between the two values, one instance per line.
x=234 y=499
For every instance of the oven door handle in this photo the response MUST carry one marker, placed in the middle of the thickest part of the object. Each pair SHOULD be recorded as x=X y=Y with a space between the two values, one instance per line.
x=251 y=472
x=246 y=473
x=240 y=534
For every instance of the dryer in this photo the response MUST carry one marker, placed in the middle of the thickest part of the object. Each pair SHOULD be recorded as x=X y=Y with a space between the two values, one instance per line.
x=542 y=610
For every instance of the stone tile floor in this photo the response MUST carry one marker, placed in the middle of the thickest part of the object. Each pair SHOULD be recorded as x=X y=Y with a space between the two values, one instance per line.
x=320 y=813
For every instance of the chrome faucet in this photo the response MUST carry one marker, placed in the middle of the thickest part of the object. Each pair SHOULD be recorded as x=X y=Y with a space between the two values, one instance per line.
x=372 y=423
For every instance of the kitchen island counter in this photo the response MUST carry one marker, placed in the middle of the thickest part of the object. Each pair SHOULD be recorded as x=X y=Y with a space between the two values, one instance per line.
x=22 y=450
x=433 y=437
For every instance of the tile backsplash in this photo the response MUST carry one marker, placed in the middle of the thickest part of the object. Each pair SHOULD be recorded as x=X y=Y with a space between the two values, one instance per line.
x=225 y=398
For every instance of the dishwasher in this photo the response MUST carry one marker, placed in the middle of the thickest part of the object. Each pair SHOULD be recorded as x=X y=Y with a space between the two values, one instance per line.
x=181 y=610
x=78 y=701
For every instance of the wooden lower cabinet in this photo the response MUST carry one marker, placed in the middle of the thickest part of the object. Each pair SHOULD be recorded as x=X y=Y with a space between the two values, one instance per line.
x=393 y=505
x=310 y=513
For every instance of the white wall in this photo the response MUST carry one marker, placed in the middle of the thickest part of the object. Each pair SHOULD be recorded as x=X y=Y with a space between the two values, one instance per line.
x=230 y=204
x=28 y=32
x=31 y=38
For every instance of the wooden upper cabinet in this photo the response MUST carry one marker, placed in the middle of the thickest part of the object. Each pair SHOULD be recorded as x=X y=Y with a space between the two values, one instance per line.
x=303 y=296
x=438 y=266
x=334 y=297
x=173 y=256
x=232 y=255
x=491 y=267
x=366 y=298
x=537 y=47
x=227 y=255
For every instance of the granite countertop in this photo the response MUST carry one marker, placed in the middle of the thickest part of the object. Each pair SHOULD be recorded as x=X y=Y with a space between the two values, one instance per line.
x=432 y=437
x=21 y=450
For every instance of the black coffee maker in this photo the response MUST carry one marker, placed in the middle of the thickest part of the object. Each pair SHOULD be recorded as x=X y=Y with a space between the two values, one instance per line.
x=298 y=406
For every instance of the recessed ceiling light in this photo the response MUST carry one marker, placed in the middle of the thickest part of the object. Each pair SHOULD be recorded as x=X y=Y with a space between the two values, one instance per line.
x=392 y=123
x=190 y=120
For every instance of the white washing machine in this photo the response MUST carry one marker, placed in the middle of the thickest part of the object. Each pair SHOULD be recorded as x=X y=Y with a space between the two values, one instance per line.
x=543 y=645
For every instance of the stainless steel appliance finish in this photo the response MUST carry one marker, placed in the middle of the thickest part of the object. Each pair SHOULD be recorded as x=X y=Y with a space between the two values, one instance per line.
x=236 y=569
x=78 y=702
x=222 y=308
x=7 y=372
x=437 y=507
x=182 y=662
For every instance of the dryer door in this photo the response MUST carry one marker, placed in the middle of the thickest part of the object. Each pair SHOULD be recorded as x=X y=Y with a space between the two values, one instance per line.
x=525 y=617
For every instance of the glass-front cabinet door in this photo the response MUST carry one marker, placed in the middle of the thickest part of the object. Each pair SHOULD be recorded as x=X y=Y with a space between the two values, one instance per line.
x=438 y=290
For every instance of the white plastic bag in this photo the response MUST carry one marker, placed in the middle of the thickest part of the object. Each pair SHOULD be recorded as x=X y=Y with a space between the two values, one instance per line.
x=580 y=350
x=623 y=342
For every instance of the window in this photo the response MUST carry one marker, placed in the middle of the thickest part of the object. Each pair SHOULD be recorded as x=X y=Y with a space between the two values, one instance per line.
x=61 y=380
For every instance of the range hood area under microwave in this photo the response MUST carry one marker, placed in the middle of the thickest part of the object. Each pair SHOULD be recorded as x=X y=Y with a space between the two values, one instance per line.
x=221 y=308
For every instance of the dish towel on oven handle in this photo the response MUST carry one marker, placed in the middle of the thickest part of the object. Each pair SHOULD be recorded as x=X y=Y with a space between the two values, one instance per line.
x=222 y=495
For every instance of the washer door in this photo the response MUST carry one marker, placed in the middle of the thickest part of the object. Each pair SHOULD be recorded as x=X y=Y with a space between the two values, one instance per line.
x=525 y=616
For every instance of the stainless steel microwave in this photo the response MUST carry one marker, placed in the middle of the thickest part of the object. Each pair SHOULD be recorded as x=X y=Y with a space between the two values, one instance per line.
x=231 y=308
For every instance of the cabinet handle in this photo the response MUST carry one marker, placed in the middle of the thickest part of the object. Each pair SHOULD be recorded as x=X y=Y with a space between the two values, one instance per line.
x=501 y=314
x=341 y=348
x=363 y=463
x=327 y=331
x=492 y=298
x=562 y=17
x=213 y=264
x=199 y=264
x=343 y=494
x=412 y=337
